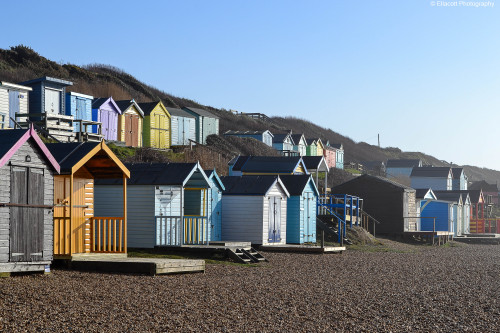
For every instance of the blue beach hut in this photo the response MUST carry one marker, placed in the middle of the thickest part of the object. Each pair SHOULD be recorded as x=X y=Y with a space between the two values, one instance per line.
x=80 y=107
x=301 y=209
x=214 y=203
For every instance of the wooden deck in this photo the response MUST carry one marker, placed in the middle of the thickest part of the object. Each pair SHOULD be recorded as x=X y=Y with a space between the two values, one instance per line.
x=119 y=263
x=24 y=267
x=302 y=248
x=429 y=233
x=479 y=238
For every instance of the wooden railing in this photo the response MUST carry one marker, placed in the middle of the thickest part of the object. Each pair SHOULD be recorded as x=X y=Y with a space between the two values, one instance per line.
x=62 y=241
x=168 y=231
x=482 y=226
x=196 y=230
x=108 y=235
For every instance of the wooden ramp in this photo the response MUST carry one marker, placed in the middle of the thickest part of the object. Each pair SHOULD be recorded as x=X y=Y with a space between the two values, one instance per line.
x=302 y=248
x=149 y=266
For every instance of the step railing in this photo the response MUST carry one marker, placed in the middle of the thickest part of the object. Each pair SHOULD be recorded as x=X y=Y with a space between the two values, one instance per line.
x=341 y=223
x=108 y=235
x=365 y=221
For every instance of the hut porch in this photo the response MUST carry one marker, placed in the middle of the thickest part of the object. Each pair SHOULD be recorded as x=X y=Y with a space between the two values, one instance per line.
x=76 y=229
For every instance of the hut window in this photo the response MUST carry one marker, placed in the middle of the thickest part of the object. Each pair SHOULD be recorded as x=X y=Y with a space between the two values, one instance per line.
x=27 y=158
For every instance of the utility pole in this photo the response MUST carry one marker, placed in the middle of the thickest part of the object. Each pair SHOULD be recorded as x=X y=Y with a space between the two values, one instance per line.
x=378 y=135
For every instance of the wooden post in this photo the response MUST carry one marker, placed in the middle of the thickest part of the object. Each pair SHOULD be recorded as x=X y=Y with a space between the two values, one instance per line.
x=124 y=213
x=70 y=214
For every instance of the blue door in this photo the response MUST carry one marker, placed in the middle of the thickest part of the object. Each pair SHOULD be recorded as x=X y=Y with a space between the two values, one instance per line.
x=274 y=220
x=309 y=227
x=13 y=106
x=80 y=112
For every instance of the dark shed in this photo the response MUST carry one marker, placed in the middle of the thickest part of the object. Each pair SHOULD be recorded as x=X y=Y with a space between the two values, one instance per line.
x=389 y=202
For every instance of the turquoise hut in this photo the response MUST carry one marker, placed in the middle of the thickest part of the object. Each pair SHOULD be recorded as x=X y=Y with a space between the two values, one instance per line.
x=301 y=209
x=214 y=204
x=206 y=123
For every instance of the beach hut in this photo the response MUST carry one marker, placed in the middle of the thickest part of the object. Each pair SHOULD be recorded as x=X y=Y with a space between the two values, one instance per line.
x=206 y=123
x=283 y=142
x=442 y=214
x=78 y=229
x=183 y=126
x=477 y=204
x=130 y=123
x=330 y=154
x=460 y=179
x=319 y=147
x=167 y=204
x=254 y=209
x=13 y=99
x=402 y=167
x=391 y=203
x=299 y=144
x=490 y=191
x=47 y=95
x=105 y=111
x=27 y=169
x=214 y=202
x=315 y=165
x=47 y=107
x=263 y=136
x=339 y=155
x=267 y=165
x=301 y=209
x=79 y=106
x=437 y=178
x=311 y=147
x=156 y=131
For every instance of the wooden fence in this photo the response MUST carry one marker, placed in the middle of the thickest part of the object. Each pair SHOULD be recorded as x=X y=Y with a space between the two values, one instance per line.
x=108 y=235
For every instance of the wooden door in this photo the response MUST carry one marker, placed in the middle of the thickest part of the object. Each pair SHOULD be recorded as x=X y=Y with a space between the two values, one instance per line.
x=26 y=223
x=128 y=129
x=274 y=219
x=13 y=107
x=52 y=101
x=134 y=135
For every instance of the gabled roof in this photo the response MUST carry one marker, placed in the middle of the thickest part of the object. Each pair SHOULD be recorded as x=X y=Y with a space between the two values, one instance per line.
x=337 y=146
x=378 y=179
x=268 y=164
x=212 y=174
x=60 y=82
x=98 y=102
x=72 y=93
x=148 y=107
x=124 y=105
x=251 y=185
x=201 y=112
x=180 y=113
x=320 y=142
x=451 y=196
x=457 y=172
x=295 y=184
x=483 y=185
x=425 y=193
x=97 y=158
x=282 y=137
x=438 y=172
x=297 y=138
x=476 y=196
x=403 y=163
x=310 y=141
x=315 y=163
x=372 y=164
x=230 y=132
x=464 y=193
x=160 y=174
x=12 y=140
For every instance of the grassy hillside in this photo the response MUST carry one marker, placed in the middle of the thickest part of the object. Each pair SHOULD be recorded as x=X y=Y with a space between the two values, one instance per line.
x=21 y=63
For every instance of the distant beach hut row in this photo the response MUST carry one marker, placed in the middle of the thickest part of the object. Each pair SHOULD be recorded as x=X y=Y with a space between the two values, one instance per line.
x=72 y=116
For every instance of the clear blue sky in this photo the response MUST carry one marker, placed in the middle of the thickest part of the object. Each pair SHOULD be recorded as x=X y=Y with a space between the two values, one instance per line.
x=427 y=78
